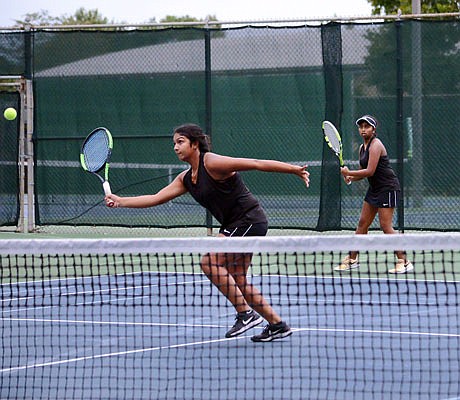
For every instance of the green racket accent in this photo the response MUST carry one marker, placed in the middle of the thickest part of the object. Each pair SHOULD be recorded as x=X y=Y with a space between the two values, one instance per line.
x=334 y=141
x=95 y=155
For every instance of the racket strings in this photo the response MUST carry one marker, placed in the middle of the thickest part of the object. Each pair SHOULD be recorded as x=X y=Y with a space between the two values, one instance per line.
x=332 y=139
x=96 y=151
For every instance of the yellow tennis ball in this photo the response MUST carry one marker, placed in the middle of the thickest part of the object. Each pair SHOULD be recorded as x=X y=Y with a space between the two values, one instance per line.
x=10 y=114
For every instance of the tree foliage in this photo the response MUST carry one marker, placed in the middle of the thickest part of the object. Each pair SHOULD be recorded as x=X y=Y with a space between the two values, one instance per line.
x=439 y=49
x=41 y=17
x=81 y=17
x=187 y=18
x=84 y=17
x=387 y=7
x=94 y=17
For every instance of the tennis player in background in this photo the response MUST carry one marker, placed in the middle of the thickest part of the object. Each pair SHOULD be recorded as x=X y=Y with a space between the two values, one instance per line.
x=382 y=196
x=214 y=182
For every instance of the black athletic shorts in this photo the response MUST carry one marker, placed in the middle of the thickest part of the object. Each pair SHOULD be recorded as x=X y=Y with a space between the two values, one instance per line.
x=388 y=199
x=259 y=229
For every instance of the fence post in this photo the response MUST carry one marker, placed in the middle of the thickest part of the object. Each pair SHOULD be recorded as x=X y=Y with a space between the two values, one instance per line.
x=208 y=105
x=399 y=122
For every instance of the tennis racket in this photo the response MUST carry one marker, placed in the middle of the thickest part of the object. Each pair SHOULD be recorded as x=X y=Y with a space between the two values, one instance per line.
x=95 y=155
x=334 y=141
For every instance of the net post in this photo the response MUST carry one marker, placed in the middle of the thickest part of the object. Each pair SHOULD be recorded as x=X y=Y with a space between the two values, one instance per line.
x=22 y=227
x=16 y=84
x=29 y=153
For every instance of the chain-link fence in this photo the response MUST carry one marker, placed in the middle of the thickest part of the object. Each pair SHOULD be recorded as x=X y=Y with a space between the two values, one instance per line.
x=9 y=172
x=260 y=92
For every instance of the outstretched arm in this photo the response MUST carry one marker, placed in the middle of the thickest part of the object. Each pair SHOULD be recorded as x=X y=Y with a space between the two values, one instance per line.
x=221 y=167
x=175 y=189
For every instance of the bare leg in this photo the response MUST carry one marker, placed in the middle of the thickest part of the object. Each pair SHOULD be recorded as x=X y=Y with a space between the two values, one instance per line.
x=234 y=285
x=214 y=266
x=366 y=218
x=252 y=295
x=386 y=223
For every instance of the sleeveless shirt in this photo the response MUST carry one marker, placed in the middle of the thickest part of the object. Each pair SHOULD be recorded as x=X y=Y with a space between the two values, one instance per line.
x=384 y=178
x=229 y=200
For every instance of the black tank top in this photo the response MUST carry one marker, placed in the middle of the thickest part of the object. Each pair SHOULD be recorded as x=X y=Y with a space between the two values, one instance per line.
x=384 y=178
x=229 y=200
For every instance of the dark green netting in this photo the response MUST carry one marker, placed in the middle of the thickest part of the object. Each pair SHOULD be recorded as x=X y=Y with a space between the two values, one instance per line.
x=262 y=92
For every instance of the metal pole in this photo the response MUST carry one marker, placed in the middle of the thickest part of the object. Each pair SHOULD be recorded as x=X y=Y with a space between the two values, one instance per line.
x=208 y=106
x=29 y=125
x=22 y=164
x=399 y=121
x=417 y=102
x=29 y=112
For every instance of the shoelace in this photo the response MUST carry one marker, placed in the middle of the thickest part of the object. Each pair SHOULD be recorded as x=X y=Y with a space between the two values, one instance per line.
x=266 y=329
x=238 y=318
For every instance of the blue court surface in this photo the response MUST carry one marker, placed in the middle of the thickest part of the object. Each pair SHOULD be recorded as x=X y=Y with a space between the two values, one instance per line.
x=162 y=336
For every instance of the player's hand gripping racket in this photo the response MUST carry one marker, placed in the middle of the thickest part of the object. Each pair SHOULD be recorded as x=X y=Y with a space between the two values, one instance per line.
x=334 y=141
x=95 y=155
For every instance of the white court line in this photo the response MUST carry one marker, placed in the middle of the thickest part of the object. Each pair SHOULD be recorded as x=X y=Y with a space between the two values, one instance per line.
x=133 y=298
x=92 y=277
x=183 y=345
x=402 y=279
x=429 y=301
x=116 y=354
x=86 y=303
x=405 y=278
x=372 y=332
x=110 y=289
x=344 y=300
x=132 y=323
x=119 y=323
x=297 y=303
x=101 y=291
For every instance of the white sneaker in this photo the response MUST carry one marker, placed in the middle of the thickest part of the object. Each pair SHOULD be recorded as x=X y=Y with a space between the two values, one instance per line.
x=347 y=264
x=402 y=266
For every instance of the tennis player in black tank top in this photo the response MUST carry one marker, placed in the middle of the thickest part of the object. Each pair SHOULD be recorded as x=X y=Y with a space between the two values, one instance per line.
x=382 y=196
x=229 y=201
x=214 y=181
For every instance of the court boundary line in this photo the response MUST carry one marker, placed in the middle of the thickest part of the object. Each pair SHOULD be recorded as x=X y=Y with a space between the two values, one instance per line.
x=122 y=323
x=99 y=276
x=47 y=291
x=430 y=300
x=84 y=303
x=402 y=278
x=108 y=290
x=184 y=345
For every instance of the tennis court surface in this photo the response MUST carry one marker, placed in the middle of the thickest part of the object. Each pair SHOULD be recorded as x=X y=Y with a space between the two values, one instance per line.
x=137 y=319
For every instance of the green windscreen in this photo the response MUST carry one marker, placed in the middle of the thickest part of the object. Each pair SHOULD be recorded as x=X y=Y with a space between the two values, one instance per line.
x=260 y=92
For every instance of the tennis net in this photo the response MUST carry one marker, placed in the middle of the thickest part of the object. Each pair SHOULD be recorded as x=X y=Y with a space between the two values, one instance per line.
x=138 y=319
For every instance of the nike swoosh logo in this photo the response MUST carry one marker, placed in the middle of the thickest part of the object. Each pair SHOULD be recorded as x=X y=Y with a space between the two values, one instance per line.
x=385 y=204
x=247 y=321
x=225 y=230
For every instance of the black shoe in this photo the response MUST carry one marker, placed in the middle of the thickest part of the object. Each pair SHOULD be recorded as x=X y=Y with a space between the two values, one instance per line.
x=244 y=321
x=272 y=332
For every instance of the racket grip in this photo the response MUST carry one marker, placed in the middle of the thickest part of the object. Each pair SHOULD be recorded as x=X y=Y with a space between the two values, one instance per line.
x=106 y=187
